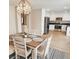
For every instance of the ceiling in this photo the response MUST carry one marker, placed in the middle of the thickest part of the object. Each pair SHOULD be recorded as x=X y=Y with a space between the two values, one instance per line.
x=55 y=5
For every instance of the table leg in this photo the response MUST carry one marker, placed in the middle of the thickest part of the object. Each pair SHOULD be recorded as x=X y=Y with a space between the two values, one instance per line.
x=34 y=54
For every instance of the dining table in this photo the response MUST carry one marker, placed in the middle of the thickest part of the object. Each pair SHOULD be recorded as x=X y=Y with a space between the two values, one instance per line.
x=34 y=42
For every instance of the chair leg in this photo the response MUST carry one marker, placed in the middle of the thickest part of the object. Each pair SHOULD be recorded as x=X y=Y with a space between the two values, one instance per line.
x=26 y=57
x=16 y=56
x=42 y=57
x=19 y=57
x=47 y=56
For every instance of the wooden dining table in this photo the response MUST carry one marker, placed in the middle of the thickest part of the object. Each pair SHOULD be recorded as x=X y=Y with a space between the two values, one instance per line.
x=34 y=45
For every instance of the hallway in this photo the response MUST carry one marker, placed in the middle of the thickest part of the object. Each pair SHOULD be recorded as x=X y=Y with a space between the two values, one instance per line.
x=60 y=41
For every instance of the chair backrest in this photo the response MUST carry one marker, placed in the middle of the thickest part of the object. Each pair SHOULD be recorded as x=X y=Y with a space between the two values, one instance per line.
x=68 y=31
x=48 y=45
x=20 y=46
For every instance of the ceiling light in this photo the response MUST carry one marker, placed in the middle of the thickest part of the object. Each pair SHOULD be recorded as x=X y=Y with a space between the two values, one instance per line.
x=24 y=6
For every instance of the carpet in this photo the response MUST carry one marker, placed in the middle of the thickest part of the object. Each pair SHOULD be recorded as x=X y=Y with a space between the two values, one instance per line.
x=54 y=54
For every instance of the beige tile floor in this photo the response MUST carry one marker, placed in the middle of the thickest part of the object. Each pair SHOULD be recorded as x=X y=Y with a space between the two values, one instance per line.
x=60 y=41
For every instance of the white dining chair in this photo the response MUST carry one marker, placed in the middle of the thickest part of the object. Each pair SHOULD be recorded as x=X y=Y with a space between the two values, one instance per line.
x=21 y=48
x=68 y=34
x=68 y=31
x=11 y=49
x=43 y=50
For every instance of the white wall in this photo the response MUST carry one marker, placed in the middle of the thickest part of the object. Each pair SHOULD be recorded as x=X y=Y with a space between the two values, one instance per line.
x=19 y=26
x=12 y=20
x=64 y=15
x=35 y=21
x=42 y=20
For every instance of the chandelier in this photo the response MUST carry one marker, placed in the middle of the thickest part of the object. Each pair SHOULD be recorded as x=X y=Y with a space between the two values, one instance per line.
x=23 y=6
